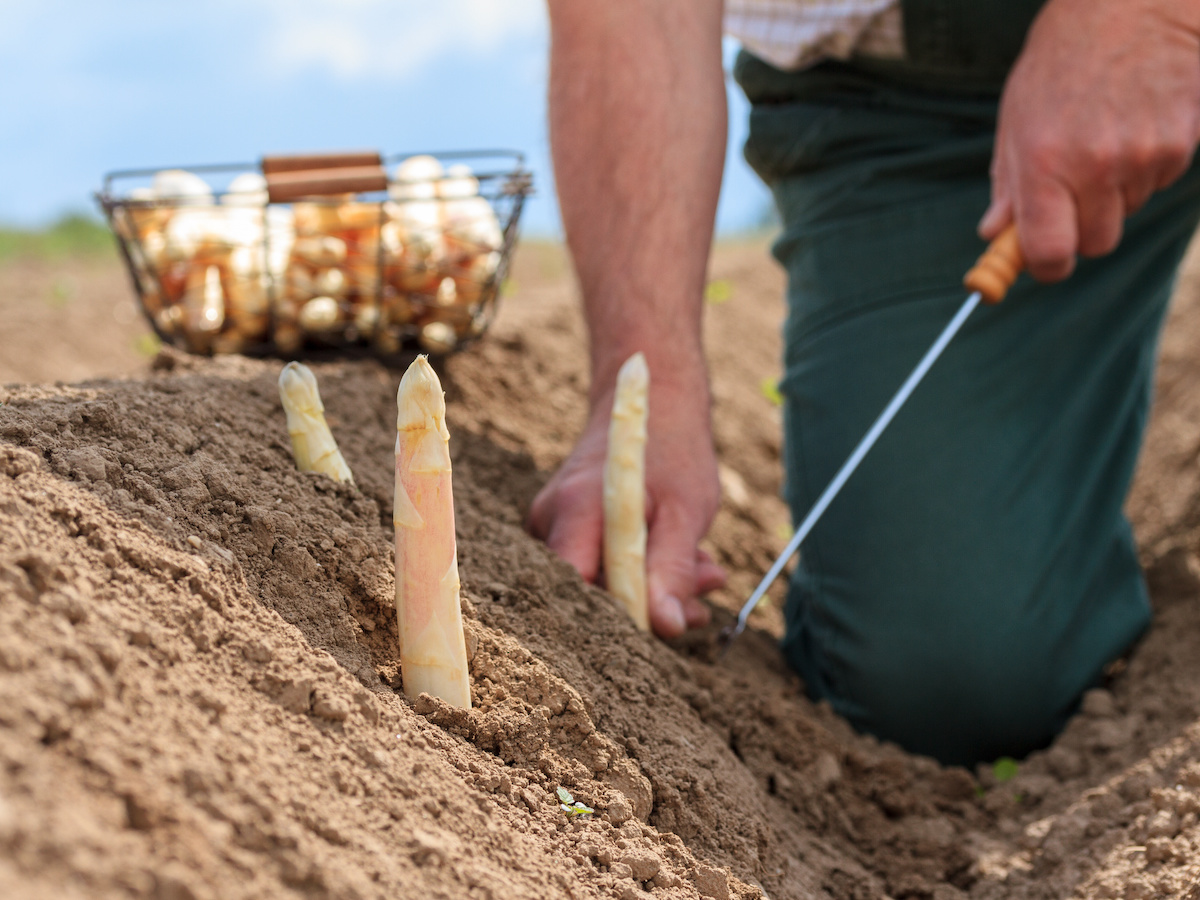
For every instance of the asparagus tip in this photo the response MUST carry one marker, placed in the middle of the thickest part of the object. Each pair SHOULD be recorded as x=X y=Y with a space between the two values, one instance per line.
x=297 y=381
x=420 y=402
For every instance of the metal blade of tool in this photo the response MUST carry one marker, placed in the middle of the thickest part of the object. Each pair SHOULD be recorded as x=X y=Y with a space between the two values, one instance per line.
x=848 y=467
x=988 y=280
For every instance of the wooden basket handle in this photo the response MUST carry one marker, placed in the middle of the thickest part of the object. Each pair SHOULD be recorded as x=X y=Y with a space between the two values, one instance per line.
x=321 y=174
x=298 y=162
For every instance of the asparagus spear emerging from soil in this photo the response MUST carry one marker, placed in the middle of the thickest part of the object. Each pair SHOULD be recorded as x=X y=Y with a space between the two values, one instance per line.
x=625 y=491
x=433 y=652
x=313 y=446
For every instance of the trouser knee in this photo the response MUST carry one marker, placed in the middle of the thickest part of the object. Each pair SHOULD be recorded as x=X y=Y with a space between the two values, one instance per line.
x=960 y=702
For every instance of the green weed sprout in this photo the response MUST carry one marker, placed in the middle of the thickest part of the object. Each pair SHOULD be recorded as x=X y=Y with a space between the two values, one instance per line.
x=570 y=806
x=769 y=388
x=1005 y=769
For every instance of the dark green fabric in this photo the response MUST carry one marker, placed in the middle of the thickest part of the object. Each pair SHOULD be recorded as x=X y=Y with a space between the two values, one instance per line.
x=958 y=37
x=976 y=574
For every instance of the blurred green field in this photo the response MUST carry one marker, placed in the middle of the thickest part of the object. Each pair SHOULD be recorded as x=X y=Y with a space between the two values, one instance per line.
x=74 y=235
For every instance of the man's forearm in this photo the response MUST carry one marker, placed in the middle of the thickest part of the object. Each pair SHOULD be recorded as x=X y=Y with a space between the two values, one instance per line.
x=638 y=128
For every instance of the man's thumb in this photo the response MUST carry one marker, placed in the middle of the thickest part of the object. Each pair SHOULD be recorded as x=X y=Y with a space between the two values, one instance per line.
x=998 y=215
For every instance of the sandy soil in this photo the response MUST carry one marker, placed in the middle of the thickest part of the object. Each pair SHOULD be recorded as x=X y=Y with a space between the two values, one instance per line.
x=198 y=671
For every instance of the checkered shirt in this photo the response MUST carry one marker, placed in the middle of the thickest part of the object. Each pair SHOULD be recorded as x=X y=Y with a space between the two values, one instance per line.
x=792 y=34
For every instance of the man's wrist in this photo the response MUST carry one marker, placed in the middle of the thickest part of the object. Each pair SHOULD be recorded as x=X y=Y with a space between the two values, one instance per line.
x=676 y=364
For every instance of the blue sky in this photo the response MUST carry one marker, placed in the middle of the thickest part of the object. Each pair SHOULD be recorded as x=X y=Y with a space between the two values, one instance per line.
x=90 y=87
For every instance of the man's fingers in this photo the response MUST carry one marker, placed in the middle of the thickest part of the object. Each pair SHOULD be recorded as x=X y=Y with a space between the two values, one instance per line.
x=1048 y=226
x=1136 y=192
x=709 y=575
x=1175 y=154
x=541 y=513
x=667 y=619
x=568 y=516
x=997 y=217
x=671 y=571
x=1101 y=221
x=576 y=536
x=695 y=613
x=1000 y=211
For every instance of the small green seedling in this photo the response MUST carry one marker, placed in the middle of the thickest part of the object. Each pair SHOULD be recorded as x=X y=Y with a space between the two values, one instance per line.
x=570 y=806
x=718 y=291
x=770 y=389
x=147 y=344
x=60 y=294
x=1005 y=769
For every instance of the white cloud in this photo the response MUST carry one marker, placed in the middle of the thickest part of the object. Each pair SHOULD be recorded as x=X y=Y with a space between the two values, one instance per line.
x=390 y=39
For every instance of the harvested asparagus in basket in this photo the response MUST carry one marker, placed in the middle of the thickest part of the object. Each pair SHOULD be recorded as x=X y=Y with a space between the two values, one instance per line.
x=313 y=446
x=242 y=269
x=433 y=653
x=625 y=492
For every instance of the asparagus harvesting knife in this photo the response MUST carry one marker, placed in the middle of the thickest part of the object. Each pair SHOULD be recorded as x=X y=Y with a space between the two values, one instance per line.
x=988 y=281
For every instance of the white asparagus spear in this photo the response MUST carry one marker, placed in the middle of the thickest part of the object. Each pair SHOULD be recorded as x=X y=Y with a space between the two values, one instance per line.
x=313 y=446
x=433 y=651
x=625 y=491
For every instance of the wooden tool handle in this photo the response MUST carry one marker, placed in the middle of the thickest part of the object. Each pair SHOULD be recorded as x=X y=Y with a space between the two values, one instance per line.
x=283 y=187
x=299 y=162
x=996 y=270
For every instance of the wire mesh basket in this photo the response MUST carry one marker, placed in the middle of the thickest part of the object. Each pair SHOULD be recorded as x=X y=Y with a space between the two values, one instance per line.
x=327 y=250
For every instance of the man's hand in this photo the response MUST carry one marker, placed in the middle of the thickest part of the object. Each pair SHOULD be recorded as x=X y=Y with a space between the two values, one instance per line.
x=1101 y=109
x=682 y=497
x=637 y=130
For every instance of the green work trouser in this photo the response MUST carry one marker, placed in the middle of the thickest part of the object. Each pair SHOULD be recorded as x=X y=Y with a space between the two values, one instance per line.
x=977 y=573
